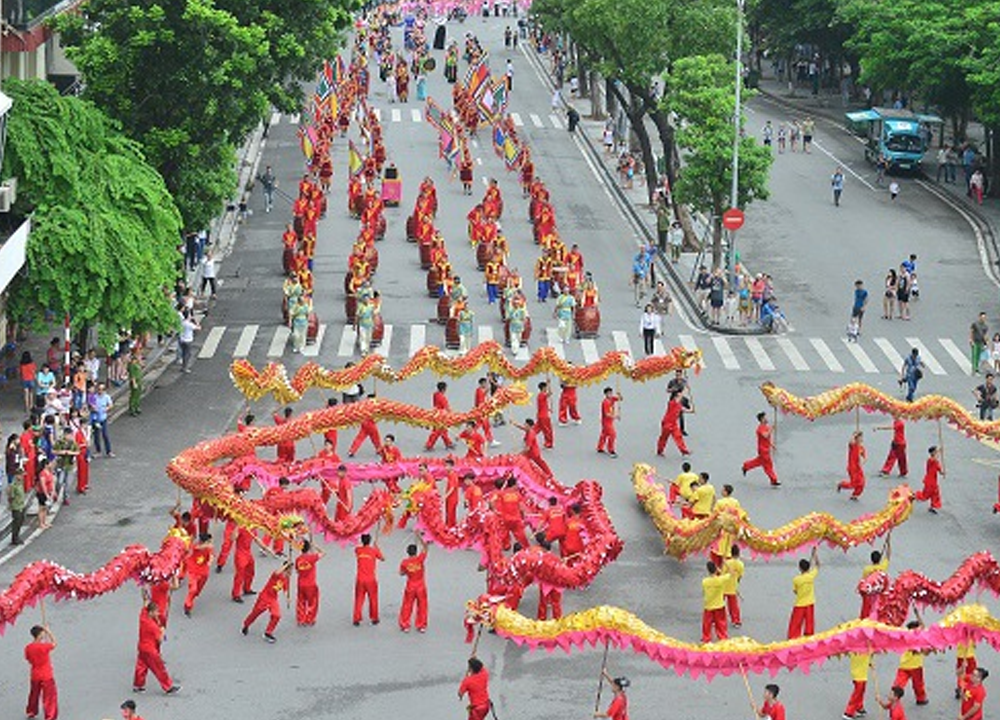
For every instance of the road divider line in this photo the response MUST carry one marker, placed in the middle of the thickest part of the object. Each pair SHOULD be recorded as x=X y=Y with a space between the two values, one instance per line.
x=294 y=119
x=485 y=333
x=275 y=118
x=589 y=347
x=415 y=116
x=536 y=121
x=844 y=165
x=348 y=339
x=658 y=347
x=556 y=122
x=278 y=342
x=386 y=343
x=516 y=119
x=418 y=338
x=622 y=344
x=247 y=335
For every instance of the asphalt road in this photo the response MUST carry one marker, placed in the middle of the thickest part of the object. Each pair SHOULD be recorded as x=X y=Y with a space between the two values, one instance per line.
x=334 y=669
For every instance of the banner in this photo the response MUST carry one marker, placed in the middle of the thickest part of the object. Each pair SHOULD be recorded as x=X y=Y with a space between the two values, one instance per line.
x=354 y=161
x=307 y=140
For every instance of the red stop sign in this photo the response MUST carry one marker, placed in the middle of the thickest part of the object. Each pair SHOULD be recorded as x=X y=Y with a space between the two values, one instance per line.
x=732 y=219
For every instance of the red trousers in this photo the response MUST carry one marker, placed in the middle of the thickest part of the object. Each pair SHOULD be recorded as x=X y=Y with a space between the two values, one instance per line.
x=150 y=660
x=671 y=431
x=932 y=492
x=549 y=600
x=857 y=700
x=439 y=434
x=867 y=606
x=487 y=429
x=713 y=618
x=227 y=544
x=82 y=472
x=608 y=436
x=544 y=425
x=479 y=713
x=264 y=604
x=514 y=526
x=965 y=666
x=733 y=605
x=46 y=690
x=765 y=462
x=306 y=604
x=539 y=461
x=451 y=510
x=802 y=622
x=196 y=583
x=286 y=452
x=567 y=409
x=855 y=482
x=366 y=434
x=897 y=454
x=917 y=675
x=365 y=589
x=414 y=596
x=243 y=577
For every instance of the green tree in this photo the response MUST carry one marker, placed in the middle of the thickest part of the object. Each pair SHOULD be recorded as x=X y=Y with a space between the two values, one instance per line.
x=700 y=92
x=105 y=231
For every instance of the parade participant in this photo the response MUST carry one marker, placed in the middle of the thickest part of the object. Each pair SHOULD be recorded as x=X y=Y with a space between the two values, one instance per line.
x=160 y=592
x=702 y=497
x=441 y=404
x=390 y=452
x=531 y=449
x=713 y=614
x=471 y=492
x=492 y=276
x=734 y=568
x=803 y=619
x=228 y=535
x=128 y=711
x=618 y=709
x=148 y=658
x=723 y=545
x=277 y=542
x=364 y=321
x=526 y=172
x=543 y=276
x=244 y=565
x=367 y=430
x=473 y=440
x=670 y=426
x=567 y=404
x=465 y=170
x=893 y=703
x=549 y=598
x=609 y=413
x=565 y=306
x=345 y=494
x=965 y=663
x=897 y=449
x=452 y=489
x=517 y=319
x=681 y=485
x=973 y=694
x=366 y=579
x=476 y=685
x=465 y=318
x=773 y=709
x=42 y=680
x=571 y=545
x=679 y=384
x=482 y=395
x=931 y=490
x=765 y=444
x=307 y=590
x=543 y=416
x=197 y=565
x=879 y=563
x=268 y=602
x=415 y=592
x=508 y=505
x=860 y=665
x=554 y=521
x=285 y=448
x=911 y=666
x=856 y=456
x=299 y=312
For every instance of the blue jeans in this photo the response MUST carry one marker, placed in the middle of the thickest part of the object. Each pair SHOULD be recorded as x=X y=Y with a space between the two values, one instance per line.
x=100 y=432
x=911 y=386
x=492 y=293
x=543 y=290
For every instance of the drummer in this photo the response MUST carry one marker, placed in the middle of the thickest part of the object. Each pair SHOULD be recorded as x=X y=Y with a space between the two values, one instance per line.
x=589 y=291
x=500 y=245
x=492 y=276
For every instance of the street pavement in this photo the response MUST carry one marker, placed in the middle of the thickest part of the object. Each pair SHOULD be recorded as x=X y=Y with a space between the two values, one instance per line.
x=814 y=252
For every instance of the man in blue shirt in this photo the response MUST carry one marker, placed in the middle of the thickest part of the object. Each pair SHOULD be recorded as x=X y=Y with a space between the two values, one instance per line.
x=860 y=301
x=837 y=183
x=99 y=407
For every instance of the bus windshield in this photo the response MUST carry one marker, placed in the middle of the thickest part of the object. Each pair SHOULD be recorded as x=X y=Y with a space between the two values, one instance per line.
x=904 y=143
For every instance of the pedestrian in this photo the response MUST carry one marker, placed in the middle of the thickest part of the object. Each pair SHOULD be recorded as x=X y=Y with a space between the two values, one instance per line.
x=441 y=405
x=734 y=569
x=995 y=352
x=208 y=271
x=897 y=448
x=767 y=133
x=28 y=372
x=973 y=694
x=911 y=373
x=415 y=593
x=610 y=412
x=618 y=709
x=267 y=601
x=861 y=663
x=299 y=310
x=16 y=502
x=366 y=579
x=676 y=241
x=45 y=492
x=509 y=75
x=670 y=425
x=803 y=619
x=567 y=404
x=639 y=270
x=836 y=182
x=976 y=185
x=185 y=338
x=267 y=183
x=134 y=372
x=773 y=709
x=148 y=657
x=649 y=325
x=42 y=680
x=543 y=414
x=881 y=165
x=307 y=590
x=716 y=296
x=663 y=222
x=893 y=190
x=986 y=398
x=856 y=456
x=476 y=684
x=931 y=491
x=197 y=567
x=889 y=296
x=765 y=445
x=808 y=128
x=793 y=134
x=979 y=331
x=911 y=666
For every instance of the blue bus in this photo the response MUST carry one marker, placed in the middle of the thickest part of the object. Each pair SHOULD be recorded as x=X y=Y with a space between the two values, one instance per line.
x=900 y=136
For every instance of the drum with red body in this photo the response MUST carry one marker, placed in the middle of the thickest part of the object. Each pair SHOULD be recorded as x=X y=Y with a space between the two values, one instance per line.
x=484 y=253
x=451 y=334
x=313 y=329
x=287 y=257
x=425 y=255
x=378 y=330
x=588 y=321
x=433 y=281
x=284 y=310
x=525 y=333
x=411 y=228
x=443 y=309
x=351 y=308
x=559 y=275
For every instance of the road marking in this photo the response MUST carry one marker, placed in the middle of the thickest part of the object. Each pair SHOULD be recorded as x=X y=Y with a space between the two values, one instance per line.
x=418 y=338
x=313 y=350
x=294 y=119
x=688 y=343
x=348 y=340
x=957 y=355
x=758 y=352
x=516 y=118
x=522 y=353
x=386 y=343
x=729 y=360
x=247 y=336
x=275 y=118
x=212 y=342
x=895 y=359
x=395 y=115
x=479 y=161
x=861 y=356
x=552 y=336
x=798 y=362
x=826 y=355
x=536 y=121
x=278 y=342
x=485 y=333
x=622 y=344
x=415 y=116
x=658 y=347
x=475 y=143
x=929 y=360
x=589 y=347
x=843 y=165
x=556 y=122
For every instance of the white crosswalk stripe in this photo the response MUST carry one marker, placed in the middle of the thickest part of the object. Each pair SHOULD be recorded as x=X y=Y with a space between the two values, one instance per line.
x=386 y=343
x=722 y=347
x=552 y=338
x=278 y=342
x=485 y=333
x=826 y=355
x=590 y=353
x=275 y=118
x=523 y=354
x=418 y=337
x=415 y=116
x=536 y=121
x=761 y=357
x=861 y=356
x=313 y=350
x=963 y=362
x=794 y=356
x=556 y=122
x=348 y=340
x=247 y=336
x=622 y=344
x=929 y=360
x=516 y=119
x=396 y=115
x=212 y=342
x=658 y=348
x=895 y=359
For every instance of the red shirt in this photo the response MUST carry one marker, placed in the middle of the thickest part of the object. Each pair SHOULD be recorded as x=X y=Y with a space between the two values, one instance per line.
x=391 y=454
x=555 y=522
x=441 y=401
x=774 y=710
x=37 y=654
x=199 y=559
x=510 y=504
x=413 y=569
x=531 y=441
x=367 y=555
x=28 y=372
x=330 y=436
x=855 y=453
x=673 y=412
x=763 y=439
x=896 y=711
x=898 y=432
x=275 y=584
x=159 y=593
x=608 y=409
x=473 y=495
x=474 y=441
x=618 y=709
x=305 y=566
x=478 y=688
x=932 y=470
x=150 y=632
x=451 y=488
x=544 y=405
x=244 y=542
x=972 y=695
x=481 y=395
x=572 y=543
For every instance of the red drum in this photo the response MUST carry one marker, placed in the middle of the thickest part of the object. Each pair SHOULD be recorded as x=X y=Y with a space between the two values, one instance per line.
x=465 y=175
x=287 y=256
x=297 y=225
x=351 y=308
x=451 y=334
x=532 y=206
x=433 y=281
x=525 y=333
x=322 y=206
x=484 y=253
x=378 y=331
x=372 y=257
x=411 y=229
x=443 y=309
x=313 y=329
x=588 y=321
x=347 y=284
x=559 y=275
x=425 y=256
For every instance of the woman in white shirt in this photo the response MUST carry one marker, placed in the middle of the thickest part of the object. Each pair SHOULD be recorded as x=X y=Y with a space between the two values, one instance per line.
x=649 y=324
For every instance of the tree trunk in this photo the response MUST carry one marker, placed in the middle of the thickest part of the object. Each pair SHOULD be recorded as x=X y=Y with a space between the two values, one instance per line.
x=717 y=235
x=581 y=77
x=596 y=111
x=993 y=152
x=635 y=108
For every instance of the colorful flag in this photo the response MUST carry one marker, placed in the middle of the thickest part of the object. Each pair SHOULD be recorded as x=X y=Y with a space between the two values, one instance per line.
x=354 y=161
x=308 y=139
x=499 y=139
x=324 y=84
x=477 y=78
x=434 y=114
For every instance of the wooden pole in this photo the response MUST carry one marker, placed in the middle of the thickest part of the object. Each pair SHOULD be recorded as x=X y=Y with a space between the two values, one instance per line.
x=875 y=681
x=41 y=606
x=746 y=684
x=600 y=681
x=774 y=423
x=941 y=444
x=857 y=419
x=475 y=645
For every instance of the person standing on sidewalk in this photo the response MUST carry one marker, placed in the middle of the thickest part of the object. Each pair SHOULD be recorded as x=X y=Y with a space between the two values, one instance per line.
x=17 y=503
x=185 y=339
x=134 y=384
x=100 y=405
x=979 y=331
x=837 y=183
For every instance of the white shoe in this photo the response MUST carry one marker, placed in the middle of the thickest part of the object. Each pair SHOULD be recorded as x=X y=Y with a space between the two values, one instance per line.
x=495 y=443
x=578 y=422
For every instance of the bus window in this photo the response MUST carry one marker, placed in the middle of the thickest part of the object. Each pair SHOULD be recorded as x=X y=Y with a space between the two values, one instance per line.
x=904 y=143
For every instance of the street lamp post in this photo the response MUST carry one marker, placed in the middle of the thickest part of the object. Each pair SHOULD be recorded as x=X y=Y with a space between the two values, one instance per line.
x=734 y=195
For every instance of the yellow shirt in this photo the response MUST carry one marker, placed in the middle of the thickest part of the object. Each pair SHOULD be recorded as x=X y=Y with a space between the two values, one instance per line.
x=730 y=504
x=911 y=660
x=877 y=567
x=683 y=483
x=703 y=497
x=966 y=650
x=860 y=662
x=734 y=570
x=804 y=586
x=712 y=591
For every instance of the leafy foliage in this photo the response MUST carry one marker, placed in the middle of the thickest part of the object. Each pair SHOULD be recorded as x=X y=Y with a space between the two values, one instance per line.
x=105 y=230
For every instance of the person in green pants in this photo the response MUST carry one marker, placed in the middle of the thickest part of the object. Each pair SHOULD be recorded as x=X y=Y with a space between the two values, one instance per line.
x=978 y=334
x=134 y=384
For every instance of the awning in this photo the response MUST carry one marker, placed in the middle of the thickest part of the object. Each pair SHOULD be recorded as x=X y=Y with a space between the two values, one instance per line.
x=863 y=116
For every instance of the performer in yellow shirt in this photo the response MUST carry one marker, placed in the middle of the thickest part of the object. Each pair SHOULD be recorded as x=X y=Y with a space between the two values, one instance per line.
x=713 y=612
x=703 y=497
x=734 y=568
x=681 y=486
x=803 y=620
x=879 y=563
x=860 y=664
x=726 y=504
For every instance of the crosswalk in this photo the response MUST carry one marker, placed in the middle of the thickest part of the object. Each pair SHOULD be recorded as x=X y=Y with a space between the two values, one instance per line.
x=404 y=114
x=765 y=354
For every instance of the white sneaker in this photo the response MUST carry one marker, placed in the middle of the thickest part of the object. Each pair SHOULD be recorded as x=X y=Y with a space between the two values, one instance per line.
x=495 y=443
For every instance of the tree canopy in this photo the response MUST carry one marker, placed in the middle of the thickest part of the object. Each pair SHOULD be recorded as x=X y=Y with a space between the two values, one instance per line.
x=105 y=230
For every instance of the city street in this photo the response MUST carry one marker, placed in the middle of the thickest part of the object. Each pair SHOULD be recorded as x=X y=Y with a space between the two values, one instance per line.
x=813 y=250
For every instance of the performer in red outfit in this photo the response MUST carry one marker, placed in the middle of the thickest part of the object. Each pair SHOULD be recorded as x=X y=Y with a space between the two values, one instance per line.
x=482 y=395
x=148 y=658
x=268 y=601
x=415 y=592
x=567 y=404
x=931 y=490
x=609 y=413
x=477 y=685
x=198 y=563
x=765 y=444
x=897 y=450
x=440 y=403
x=390 y=452
x=43 y=681
x=618 y=709
x=474 y=441
x=345 y=494
x=772 y=707
x=366 y=580
x=452 y=490
x=543 y=415
x=244 y=564
x=285 y=448
x=571 y=544
x=508 y=505
x=531 y=449
x=973 y=694
x=555 y=521
x=367 y=430
x=307 y=591
x=670 y=426
x=471 y=492
x=856 y=455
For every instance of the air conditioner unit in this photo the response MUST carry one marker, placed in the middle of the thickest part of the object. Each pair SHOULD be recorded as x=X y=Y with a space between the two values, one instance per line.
x=12 y=184
x=5 y=199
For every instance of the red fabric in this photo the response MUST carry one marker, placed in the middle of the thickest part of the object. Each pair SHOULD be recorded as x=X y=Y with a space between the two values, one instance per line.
x=366 y=589
x=931 y=490
x=773 y=709
x=549 y=601
x=146 y=661
x=477 y=688
x=670 y=428
x=765 y=462
x=268 y=603
x=37 y=653
x=971 y=695
x=802 y=622
x=82 y=462
x=367 y=430
x=196 y=583
x=555 y=523
x=475 y=442
x=618 y=709
x=367 y=556
x=714 y=619
x=917 y=675
x=764 y=440
x=897 y=454
x=285 y=448
x=572 y=543
x=391 y=454
x=306 y=603
x=473 y=496
x=857 y=700
x=452 y=490
x=305 y=568
x=567 y=405
x=543 y=426
x=855 y=481
x=733 y=605
x=44 y=690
